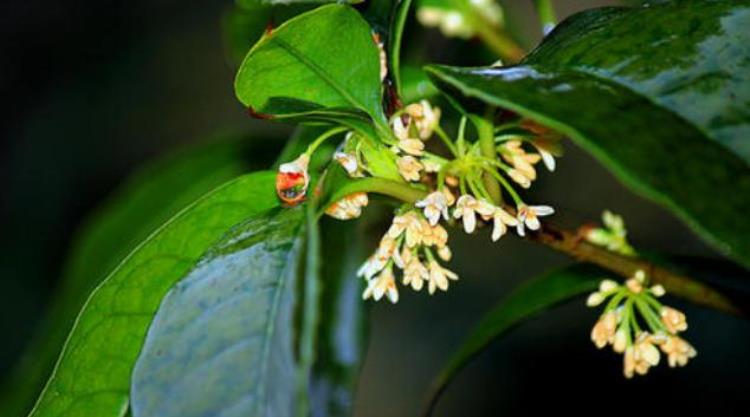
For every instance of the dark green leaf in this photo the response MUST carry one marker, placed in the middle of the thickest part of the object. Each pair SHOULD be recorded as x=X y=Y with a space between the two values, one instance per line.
x=528 y=300
x=223 y=340
x=321 y=64
x=670 y=121
x=691 y=57
x=415 y=85
x=342 y=333
x=104 y=343
x=146 y=200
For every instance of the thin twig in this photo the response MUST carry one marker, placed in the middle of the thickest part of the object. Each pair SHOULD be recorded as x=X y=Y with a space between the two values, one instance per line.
x=573 y=244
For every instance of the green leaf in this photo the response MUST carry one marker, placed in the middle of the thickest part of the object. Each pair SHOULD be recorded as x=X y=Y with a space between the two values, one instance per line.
x=670 y=121
x=416 y=85
x=146 y=200
x=322 y=64
x=223 y=340
x=690 y=57
x=92 y=375
x=528 y=300
x=342 y=333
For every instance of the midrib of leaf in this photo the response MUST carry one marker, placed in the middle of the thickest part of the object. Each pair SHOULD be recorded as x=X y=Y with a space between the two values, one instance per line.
x=321 y=73
x=269 y=328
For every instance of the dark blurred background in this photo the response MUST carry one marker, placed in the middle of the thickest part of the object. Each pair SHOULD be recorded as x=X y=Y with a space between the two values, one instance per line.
x=92 y=89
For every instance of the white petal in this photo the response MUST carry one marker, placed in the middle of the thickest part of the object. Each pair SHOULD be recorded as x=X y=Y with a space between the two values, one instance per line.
x=520 y=229
x=533 y=223
x=542 y=210
x=498 y=230
x=470 y=221
x=393 y=295
x=549 y=160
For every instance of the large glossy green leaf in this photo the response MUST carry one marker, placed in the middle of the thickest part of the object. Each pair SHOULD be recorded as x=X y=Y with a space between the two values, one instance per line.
x=673 y=129
x=691 y=57
x=143 y=202
x=527 y=301
x=223 y=340
x=320 y=64
x=92 y=375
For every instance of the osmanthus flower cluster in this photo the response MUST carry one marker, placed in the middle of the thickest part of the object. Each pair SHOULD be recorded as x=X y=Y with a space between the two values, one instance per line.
x=459 y=22
x=454 y=189
x=637 y=325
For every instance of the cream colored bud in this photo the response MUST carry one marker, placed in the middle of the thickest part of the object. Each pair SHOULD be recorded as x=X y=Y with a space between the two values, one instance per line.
x=608 y=285
x=594 y=299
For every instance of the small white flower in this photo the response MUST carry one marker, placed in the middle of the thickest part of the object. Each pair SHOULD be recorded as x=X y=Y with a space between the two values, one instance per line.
x=415 y=273
x=594 y=299
x=349 y=207
x=411 y=146
x=620 y=342
x=519 y=178
x=501 y=219
x=383 y=284
x=445 y=253
x=528 y=216
x=657 y=290
x=439 y=276
x=409 y=167
x=348 y=162
x=603 y=331
x=371 y=266
x=640 y=357
x=467 y=208
x=434 y=235
x=400 y=130
x=635 y=284
x=408 y=223
x=678 y=351
x=674 y=320
x=608 y=285
x=434 y=205
x=426 y=118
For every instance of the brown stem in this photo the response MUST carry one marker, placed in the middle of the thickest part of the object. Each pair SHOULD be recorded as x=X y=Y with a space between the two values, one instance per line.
x=574 y=245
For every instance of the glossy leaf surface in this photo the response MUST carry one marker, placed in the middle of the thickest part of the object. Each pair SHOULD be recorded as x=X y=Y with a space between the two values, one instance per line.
x=641 y=124
x=223 y=340
x=323 y=63
x=104 y=343
x=690 y=57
